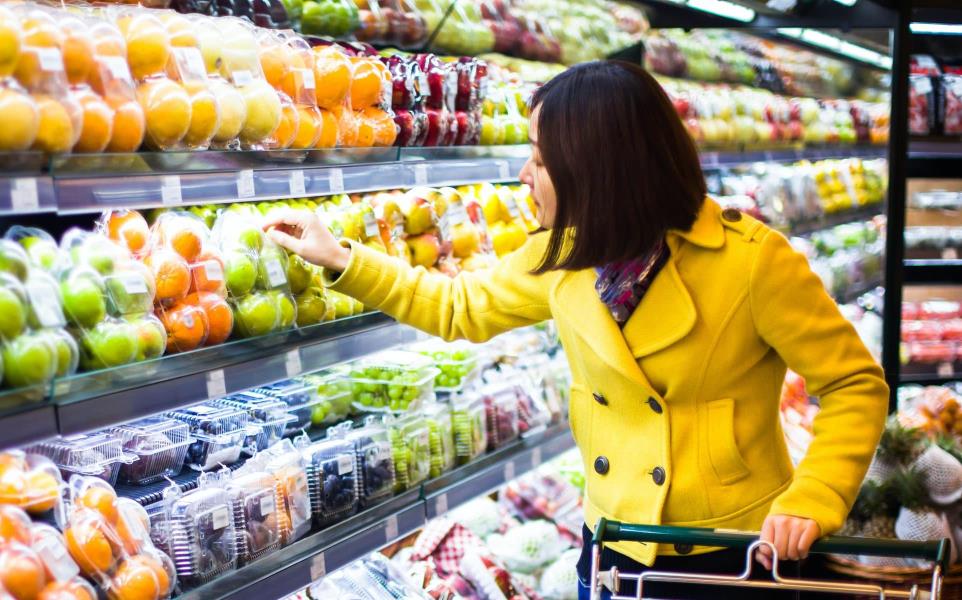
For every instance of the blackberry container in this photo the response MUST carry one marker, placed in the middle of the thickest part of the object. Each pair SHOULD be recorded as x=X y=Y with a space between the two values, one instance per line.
x=333 y=477
x=372 y=447
x=300 y=398
x=254 y=498
x=96 y=454
x=469 y=426
x=160 y=445
x=269 y=414
x=219 y=433
x=202 y=536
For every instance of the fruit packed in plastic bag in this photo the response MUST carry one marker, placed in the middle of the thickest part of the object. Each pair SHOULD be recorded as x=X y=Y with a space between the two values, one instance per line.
x=375 y=463
x=440 y=437
x=285 y=463
x=301 y=399
x=96 y=454
x=333 y=390
x=411 y=450
x=109 y=539
x=333 y=476
x=268 y=414
x=218 y=432
x=254 y=498
x=160 y=445
x=469 y=423
x=392 y=381
x=501 y=414
x=457 y=363
x=31 y=482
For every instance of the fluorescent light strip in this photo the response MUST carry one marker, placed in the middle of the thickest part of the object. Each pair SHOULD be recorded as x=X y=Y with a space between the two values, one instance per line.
x=835 y=44
x=936 y=28
x=723 y=8
x=847 y=2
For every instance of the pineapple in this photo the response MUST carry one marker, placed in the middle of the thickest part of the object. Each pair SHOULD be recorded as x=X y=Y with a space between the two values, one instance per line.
x=876 y=507
x=898 y=446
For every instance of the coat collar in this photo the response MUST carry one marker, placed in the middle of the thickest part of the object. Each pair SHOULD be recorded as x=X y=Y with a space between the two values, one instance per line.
x=707 y=231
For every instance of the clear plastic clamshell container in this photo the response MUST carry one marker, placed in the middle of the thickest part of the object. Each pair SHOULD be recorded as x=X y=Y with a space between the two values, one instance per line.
x=284 y=462
x=267 y=413
x=95 y=454
x=254 y=497
x=411 y=450
x=469 y=424
x=333 y=477
x=392 y=381
x=201 y=535
x=437 y=415
x=372 y=447
x=333 y=390
x=457 y=362
x=300 y=398
x=160 y=444
x=218 y=431
x=501 y=414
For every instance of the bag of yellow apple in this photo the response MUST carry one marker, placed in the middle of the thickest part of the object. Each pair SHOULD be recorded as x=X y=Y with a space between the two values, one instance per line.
x=109 y=539
x=187 y=67
x=461 y=229
x=108 y=300
x=288 y=64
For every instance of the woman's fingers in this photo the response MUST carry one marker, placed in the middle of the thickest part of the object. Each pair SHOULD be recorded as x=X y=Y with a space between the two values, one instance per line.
x=809 y=536
x=287 y=218
x=281 y=238
x=764 y=554
x=792 y=538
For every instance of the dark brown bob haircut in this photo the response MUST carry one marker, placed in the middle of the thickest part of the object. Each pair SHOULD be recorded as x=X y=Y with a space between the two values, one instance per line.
x=624 y=168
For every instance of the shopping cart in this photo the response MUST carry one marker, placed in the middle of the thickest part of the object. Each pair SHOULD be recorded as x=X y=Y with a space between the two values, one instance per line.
x=612 y=531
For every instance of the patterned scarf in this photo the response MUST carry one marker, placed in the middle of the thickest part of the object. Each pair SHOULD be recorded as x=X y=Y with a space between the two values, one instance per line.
x=622 y=285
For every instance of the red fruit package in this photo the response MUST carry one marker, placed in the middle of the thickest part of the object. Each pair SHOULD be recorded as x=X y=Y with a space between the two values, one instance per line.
x=921 y=105
x=952 y=102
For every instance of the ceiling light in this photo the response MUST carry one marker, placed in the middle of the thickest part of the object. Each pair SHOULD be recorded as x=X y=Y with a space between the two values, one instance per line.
x=836 y=44
x=847 y=2
x=724 y=8
x=936 y=28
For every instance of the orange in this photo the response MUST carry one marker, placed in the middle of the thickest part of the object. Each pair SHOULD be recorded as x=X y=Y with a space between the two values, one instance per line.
x=133 y=526
x=67 y=590
x=332 y=76
x=129 y=125
x=186 y=327
x=138 y=579
x=89 y=547
x=277 y=62
x=102 y=499
x=385 y=130
x=365 y=130
x=287 y=129
x=309 y=126
x=98 y=123
x=19 y=120
x=21 y=572
x=220 y=317
x=329 y=130
x=166 y=106
x=346 y=127
x=13 y=485
x=366 y=83
x=57 y=129
x=9 y=42
x=170 y=273
x=43 y=491
x=129 y=228
x=41 y=31
x=14 y=525
x=78 y=51
x=107 y=40
x=186 y=243
x=148 y=45
x=204 y=116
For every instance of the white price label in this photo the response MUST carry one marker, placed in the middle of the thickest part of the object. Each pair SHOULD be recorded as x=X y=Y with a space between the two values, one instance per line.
x=242 y=78
x=444 y=224
x=390 y=529
x=133 y=283
x=536 y=457
x=504 y=169
x=45 y=306
x=50 y=59
x=275 y=273
x=170 y=190
x=509 y=471
x=318 y=567
x=191 y=59
x=345 y=464
x=950 y=253
x=336 y=181
x=946 y=369
x=267 y=505
x=296 y=182
x=216 y=386
x=441 y=505
x=117 y=67
x=245 y=184
x=370 y=225
x=420 y=174
x=292 y=363
x=23 y=194
x=922 y=84
x=220 y=518
x=308 y=79
x=213 y=270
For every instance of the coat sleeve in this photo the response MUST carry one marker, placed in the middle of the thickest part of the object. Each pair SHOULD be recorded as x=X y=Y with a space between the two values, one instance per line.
x=474 y=306
x=796 y=316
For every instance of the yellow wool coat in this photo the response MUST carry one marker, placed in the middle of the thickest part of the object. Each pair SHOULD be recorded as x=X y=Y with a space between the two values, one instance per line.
x=677 y=415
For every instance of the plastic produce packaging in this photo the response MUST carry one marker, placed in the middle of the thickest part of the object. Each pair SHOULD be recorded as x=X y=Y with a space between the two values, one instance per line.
x=333 y=389
x=375 y=462
x=218 y=432
x=469 y=422
x=285 y=463
x=411 y=450
x=97 y=454
x=440 y=437
x=501 y=414
x=32 y=482
x=301 y=399
x=392 y=381
x=268 y=414
x=254 y=498
x=334 y=478
x=160 y=445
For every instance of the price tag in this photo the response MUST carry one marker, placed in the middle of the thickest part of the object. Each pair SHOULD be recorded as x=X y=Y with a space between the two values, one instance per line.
x=337 y=181
x=318 y=567
x=296 y=181
x=191 y=61
x=50 y=59
x=45 y=306
x=536 y=457
x=23 y=194
x=345 y=464
x=512 y=207
x=292 y=363
x=216 y=386
x=245 y=184
x=220 y=518
x=308 y=79
x=370 y=225
x=946 y=369
x=390 y=529
x=420 y=174
x=504 y=169
x=509 y=471
x=133 y=283
x=950 y=253
x=213 y=270
x=267 y=505
x=117 y=67
x=275 y=273
x=441 y=505
x=170 y=190
x=242 y=78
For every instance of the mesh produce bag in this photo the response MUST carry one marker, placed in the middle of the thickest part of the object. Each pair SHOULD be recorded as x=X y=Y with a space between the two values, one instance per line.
x=880 y=470
x=942 y=475
x=922 y=525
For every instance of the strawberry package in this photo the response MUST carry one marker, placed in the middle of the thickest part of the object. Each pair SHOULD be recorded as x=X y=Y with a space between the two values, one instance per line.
x=952 y=101
x=923 y=95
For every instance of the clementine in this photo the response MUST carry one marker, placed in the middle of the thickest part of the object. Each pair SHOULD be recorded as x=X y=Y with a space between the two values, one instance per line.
x=365 y=130
x=39 y=31
x=332 y=76
x=186 y=326
x=346 y=127
x=59 y=125
x=88 y=545
x=220 y=317
x=129 y=125
x=102 y=499
x=366 y=85
x=78 y=51
x=133 y=526
x=186 y=242
x=21 y=572
x=207 y=273
x=385 y=130
x=129 y=228
x=148 y=45
x=276 y=61
x=67 y=590
x=309 y=125
x=14 y=525
x=170 y=273
x=136 y=580
x=287 y=129
x=98 y=122
x=43 y=491
x=330 y=130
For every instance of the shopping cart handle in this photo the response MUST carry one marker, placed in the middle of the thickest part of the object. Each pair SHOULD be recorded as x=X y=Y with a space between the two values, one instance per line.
x=614 y=531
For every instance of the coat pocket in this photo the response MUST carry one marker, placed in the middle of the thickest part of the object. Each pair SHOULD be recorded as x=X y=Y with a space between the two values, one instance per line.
x=726 y=460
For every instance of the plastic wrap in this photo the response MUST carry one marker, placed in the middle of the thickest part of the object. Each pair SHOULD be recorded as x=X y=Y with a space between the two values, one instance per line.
x=372 y=447
x=218 y=432
x=469 y=422
x=160 y=445
x=334 y=478
x=392 y=381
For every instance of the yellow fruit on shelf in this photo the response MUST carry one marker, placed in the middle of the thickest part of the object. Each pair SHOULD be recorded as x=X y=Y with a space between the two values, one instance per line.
x=332 y=76
x=42 y=41
x=98 y=122
x=78 y=50
x=19 y=120
x=329 y=130
x=148 y=45
x=129 y=125
x=180 y=31
x=309 y=127
x=286 y=131
x=9 y=41
x=264 y=111
x=365 y=130
x=60 y=121
x=233 y=110
x=204 y=116
x=346 y=126
x=167 y=110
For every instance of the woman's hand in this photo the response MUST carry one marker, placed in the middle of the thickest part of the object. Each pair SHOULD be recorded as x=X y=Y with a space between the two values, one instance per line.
x=301 y=232
x=791 y=536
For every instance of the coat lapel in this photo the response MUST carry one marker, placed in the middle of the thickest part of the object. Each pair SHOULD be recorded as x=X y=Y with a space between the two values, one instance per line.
x=666 y=314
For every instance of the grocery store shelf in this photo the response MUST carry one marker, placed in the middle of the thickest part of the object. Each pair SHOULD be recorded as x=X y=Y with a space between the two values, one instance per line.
x=24 y=418
x=295 y=567
x=929 y=378
x=807 y=227
x=25 y=187
x=717 y=160
x=935 y=157
x=920 y=271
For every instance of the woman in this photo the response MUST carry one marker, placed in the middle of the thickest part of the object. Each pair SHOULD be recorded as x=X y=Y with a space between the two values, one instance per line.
x=678 y=319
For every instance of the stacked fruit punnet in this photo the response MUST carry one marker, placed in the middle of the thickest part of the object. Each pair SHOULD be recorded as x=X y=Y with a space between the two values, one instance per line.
x=288 y=65
x=505 y=109
x=370 y=100
x=508 y=212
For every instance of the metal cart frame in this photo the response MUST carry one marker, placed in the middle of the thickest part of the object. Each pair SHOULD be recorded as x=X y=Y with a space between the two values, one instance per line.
x=613 y=531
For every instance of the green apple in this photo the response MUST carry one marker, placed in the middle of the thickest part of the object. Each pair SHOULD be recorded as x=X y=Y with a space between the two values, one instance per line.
x=312 y=306
x=14 y=312
x=29 y=360
x=151 y=337
x=42 y=251
x=343 y=305
x=251 y=238
x=272 y=269
x=240 y=273
x=285 y=308
x=129 y=293
x=13 y=259
x=298 y=274
x=68 y=354
x=83 y=299
x=256 y=314
x=95 y=251
x=109 y=344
